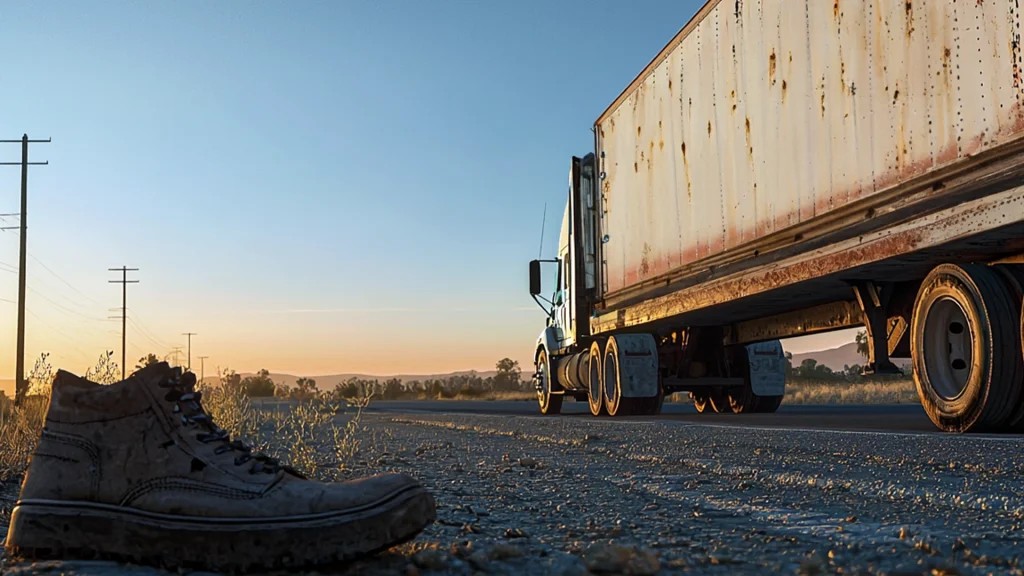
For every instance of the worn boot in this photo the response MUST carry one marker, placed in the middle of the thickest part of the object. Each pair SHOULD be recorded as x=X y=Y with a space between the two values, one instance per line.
x=137 y=472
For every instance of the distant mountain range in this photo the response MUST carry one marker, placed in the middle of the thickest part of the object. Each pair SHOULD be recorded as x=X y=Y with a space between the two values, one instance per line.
x=836 y=358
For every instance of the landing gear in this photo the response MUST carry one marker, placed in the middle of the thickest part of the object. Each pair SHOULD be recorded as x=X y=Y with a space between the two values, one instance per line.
x=966 y=348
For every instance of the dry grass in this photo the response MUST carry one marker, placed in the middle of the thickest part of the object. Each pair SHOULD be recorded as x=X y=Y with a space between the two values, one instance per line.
x=900 y=391
x=892 y=392
x=319 y=437
x=306 y=435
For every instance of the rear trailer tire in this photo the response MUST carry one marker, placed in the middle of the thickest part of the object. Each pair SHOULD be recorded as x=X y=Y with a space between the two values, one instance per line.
x=965 y=344
x=719 y=400
x=550 y=404
x=1014 y=276
x=595 y=382
x=767 y=404
x=700 y=402
x=742 y=399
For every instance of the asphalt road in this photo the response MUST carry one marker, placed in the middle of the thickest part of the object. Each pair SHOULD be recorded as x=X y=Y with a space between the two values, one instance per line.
x=873 y=418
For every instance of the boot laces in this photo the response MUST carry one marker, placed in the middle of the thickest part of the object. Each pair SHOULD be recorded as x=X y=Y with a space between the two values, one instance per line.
x=188 y=405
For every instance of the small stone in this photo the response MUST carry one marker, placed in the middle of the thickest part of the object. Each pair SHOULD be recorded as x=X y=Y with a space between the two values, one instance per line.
x=615 y=559
x=430 y=559
x=479 y=560
x=851 y=519
x=411 y=570
x=528 y=462
x=515 y=533
x=904 y=533
x=591 y=437
x=502 y=551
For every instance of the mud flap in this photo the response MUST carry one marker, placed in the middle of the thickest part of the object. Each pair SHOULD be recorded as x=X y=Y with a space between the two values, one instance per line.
x=638 y=365
x=767 y=368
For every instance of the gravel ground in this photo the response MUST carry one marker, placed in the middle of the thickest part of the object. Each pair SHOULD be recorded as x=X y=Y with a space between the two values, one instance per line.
x=532 y=495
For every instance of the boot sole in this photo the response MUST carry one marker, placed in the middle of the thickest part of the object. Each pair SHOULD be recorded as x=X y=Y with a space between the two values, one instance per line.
x=43 y=529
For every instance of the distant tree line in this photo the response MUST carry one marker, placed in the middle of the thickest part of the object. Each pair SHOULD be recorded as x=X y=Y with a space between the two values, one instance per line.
x=507 y=379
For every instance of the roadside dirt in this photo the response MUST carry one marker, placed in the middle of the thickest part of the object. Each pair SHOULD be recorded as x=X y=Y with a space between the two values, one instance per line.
x=533 y=495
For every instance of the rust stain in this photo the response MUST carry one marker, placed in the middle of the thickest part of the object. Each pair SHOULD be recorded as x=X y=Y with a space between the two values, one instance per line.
x=710 y=294
x=750 y=149
x=669 y=84
x=835 y=9
x=645 y=265
x=771 y=67
x=709 y=127
x=686 y=168
x=635 y=167
x=896 y=95
x=637 y=131
x=661 y=144
x=783 y=91
x=909 y=7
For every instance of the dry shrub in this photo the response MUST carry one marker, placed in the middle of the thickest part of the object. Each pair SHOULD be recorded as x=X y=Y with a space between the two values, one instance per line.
x=21 y=426
x=304 y=434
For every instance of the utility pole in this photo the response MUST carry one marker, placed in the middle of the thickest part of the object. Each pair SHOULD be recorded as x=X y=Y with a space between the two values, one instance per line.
x=175 y=351
x=124 y=282
x=20 y=384
x=190 y=335
x=202 y=368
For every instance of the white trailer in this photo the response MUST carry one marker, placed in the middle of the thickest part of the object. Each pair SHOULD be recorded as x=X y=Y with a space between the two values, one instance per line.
x=785 y=168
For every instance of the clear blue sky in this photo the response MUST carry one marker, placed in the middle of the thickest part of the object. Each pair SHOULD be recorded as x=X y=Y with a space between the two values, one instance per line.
x=287 y=175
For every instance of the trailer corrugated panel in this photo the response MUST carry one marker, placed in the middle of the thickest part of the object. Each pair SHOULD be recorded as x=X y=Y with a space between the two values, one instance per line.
x=762 y=115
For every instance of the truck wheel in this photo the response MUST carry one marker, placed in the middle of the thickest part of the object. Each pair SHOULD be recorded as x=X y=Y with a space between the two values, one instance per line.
x=630 y=359
x=742 y=400
x=700 y=402
x=719 y=400
x=1014 y=276
x=550 y=404
x=595 y=384
x=965 y=343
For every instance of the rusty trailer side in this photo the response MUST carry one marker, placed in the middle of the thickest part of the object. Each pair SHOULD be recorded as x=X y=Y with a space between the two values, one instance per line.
x=776 y=151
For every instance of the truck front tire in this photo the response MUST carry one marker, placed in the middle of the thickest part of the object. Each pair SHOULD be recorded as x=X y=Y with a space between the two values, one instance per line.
x=550 y=404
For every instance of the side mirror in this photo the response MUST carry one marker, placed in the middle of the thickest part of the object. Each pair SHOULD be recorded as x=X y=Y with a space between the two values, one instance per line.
x=535 y=288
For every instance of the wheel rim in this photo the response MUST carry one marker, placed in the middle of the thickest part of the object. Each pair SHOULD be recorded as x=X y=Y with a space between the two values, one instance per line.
x=595 y=384
x=611 y=377
x=949 y=348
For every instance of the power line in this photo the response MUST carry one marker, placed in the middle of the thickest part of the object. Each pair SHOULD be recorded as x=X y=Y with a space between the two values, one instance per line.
x=142 y=326
x=62 y=307
x=55 y=275
x=159 y=345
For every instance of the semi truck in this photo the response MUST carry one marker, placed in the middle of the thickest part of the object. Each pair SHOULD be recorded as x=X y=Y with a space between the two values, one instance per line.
x=785 y=168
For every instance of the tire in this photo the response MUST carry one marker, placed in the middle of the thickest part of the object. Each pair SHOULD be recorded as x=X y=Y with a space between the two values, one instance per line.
x=595 y=382
x=700 y=402
x=614 y=402
x=966 y=349
x=719 y=401
x=1013 y=274
x=550 y=404
x=767 y=404
x=611 y=387
x=742 y=400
